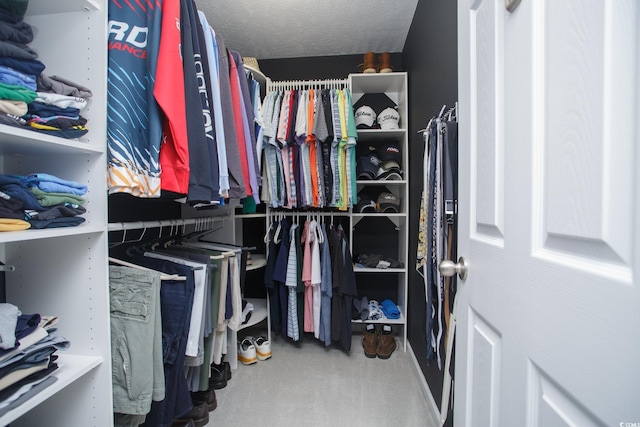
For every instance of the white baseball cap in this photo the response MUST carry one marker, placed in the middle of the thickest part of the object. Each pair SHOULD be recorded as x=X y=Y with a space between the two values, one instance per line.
x=388 y=119
x=365 y=117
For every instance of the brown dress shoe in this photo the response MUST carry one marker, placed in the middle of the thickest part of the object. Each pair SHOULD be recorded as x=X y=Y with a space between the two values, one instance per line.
x=369 y=65
x=386 y=342
x=384 y=63
x=370 y=341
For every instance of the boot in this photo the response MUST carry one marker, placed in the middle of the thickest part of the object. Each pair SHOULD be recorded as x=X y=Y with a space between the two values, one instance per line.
x=384 y=63
x=370 y=341
x=386 y=342
x=369 y=65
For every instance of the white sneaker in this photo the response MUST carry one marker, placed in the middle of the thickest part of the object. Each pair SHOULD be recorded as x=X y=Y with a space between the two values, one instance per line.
x=263 y=347
x=247 y=352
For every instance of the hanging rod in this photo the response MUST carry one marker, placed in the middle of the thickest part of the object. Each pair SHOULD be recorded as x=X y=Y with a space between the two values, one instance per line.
x=303 y=84
x=138 y=225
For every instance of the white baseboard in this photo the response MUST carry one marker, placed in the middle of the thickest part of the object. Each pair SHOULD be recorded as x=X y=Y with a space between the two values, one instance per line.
x=425 y=388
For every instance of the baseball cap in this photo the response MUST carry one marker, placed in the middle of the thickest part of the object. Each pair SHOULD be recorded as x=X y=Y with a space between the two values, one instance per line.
x=365 y=205
x=367 y=166
x=388 y=202
x=390 y=161
x=388 y=119
x=365 y=117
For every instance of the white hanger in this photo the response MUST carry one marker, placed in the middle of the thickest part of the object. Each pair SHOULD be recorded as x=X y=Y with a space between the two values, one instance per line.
x=163 y=276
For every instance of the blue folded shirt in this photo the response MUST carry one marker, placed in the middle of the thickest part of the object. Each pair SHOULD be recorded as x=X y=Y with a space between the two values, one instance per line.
x=390 y=309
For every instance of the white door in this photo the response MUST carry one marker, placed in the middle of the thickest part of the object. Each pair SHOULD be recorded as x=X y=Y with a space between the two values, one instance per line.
x=549 y=316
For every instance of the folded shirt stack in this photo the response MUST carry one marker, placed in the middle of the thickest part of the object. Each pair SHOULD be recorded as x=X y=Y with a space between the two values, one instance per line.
x=40 y=200
x=28 y=344
x=29 y=98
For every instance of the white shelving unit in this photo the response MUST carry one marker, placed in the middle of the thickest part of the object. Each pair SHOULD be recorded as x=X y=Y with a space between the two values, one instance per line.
x=63 y=271
x=394 y=280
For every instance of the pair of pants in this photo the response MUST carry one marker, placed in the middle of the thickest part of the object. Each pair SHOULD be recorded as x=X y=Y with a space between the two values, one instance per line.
x=136 y=340
x=176 y=301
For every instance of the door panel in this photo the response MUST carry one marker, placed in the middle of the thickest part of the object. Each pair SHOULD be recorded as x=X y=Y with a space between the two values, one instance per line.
x=548 y=213
x=487 y=122
x=485 y=345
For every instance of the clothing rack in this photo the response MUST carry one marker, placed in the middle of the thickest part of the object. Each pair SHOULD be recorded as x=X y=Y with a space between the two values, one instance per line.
x=307 y=84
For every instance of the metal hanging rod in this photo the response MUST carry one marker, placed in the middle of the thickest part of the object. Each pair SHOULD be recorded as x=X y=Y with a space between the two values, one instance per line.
x=206 y=221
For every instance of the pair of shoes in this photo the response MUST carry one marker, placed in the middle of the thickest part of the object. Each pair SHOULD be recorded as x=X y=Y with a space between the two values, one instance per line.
x=251 y=349
x=247 y=352
x=199 y=416
x=383 y=65
x=208 y=396
x=378 y=342
x=219 y=375
x=263 y=347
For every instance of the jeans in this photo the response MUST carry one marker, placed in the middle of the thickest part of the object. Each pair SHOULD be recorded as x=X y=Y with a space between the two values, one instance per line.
x=136 y=340
x=176 y=300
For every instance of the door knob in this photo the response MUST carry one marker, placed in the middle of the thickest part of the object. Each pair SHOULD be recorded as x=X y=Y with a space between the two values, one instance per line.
x=449 y=268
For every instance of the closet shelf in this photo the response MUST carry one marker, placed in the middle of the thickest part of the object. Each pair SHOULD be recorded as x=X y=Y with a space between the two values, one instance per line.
x=381 y=182
x=19 y=236
x=378 y=270
x=381 y=135
x=47 y=7
x=259 y=312
x=71 y=368
x=18 y=142
x=399 y=321
x=257 y=261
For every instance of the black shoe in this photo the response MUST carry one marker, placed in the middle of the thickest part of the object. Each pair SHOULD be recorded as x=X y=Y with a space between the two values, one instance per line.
x=199 y=415
x=218 y=377
x=187 y=423
x=208 y=396
x=227 y=369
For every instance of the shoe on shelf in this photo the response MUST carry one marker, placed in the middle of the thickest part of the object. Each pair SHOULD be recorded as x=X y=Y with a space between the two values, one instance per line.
x=218 y=376
x=386 y=342
x=247 y=352
x=199 y=415
x=263 y=347
x=208 y=396
x=369 y=65
x=384 y=63
x=370 y=341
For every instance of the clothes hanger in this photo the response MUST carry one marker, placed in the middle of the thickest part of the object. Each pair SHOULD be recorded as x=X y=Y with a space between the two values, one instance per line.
x=163 y=276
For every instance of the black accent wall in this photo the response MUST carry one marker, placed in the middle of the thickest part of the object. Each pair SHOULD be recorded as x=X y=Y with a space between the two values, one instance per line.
x=430 y=57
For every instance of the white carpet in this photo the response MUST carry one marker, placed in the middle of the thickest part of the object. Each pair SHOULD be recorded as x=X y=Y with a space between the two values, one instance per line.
x=309 y=385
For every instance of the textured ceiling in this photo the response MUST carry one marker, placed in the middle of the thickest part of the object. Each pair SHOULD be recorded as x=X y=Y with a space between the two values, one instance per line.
x=271 y=29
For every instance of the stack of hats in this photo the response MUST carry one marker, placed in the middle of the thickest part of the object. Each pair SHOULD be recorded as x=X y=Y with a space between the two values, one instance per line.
x=376 y=111
x=383 y=163
x=385 y=202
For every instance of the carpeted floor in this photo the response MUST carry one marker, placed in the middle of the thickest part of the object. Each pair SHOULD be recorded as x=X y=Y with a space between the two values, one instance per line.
x=309 y=385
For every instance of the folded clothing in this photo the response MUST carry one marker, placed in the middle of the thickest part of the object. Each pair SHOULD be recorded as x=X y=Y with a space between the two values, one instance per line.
x=375 y=313
x=390 y=309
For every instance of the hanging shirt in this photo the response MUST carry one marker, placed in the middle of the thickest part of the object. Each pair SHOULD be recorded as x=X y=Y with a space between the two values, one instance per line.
x=169 y=93
x=326 y=286
x=316 y=274
x=134 y=127
x=293 y=331
x=335 y=118
x=216 y=105
x=237 y=184
x=306 y=278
